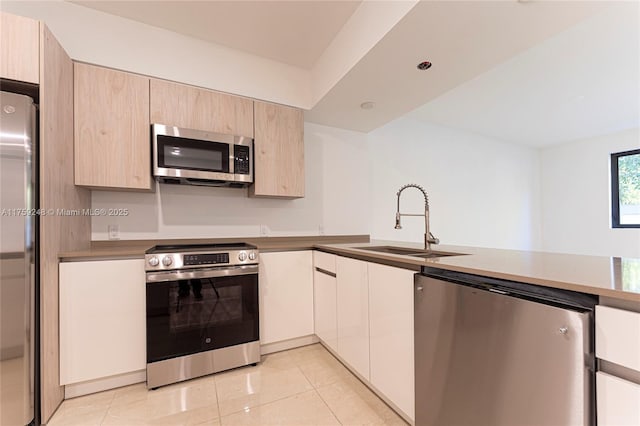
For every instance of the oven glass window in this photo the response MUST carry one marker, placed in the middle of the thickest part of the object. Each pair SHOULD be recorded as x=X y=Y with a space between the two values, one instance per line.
x=191 y=154
x=189 y=316
x=199 y=305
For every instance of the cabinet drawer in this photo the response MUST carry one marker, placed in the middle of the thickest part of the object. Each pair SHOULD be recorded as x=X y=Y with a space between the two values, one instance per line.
x=618 y=401
x=324 y=261
x=618 y=336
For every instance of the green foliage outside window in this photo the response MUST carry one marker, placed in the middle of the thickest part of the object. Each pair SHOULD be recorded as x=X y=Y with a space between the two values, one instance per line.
x=629 y=179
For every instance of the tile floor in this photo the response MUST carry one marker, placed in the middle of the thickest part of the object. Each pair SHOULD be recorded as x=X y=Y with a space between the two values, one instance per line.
x=303 y=386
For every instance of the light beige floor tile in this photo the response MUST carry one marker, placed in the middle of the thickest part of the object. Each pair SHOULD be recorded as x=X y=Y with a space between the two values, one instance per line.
x=258 y=386
x=274 y=362
x=119 y=421
x=137 y=404
x=78 y=417
x=277 y=361
x=215 y=422
x=354 y=404
x=129 y=394
x=198 y=416
x=304 y=353
x=279 y=390
x=321 y=368
x=88 y=409
x=100 y=399
x=302 y=409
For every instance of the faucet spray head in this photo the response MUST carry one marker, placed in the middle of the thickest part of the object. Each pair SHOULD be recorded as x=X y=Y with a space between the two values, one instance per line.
x=398 y=226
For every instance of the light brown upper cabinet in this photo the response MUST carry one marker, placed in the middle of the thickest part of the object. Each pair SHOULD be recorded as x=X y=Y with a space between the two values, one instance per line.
x=112 y=133
x=19 y=48
x=278 y=151
x=190 y=107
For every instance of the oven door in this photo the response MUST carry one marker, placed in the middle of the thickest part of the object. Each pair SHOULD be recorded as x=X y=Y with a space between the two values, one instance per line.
x=200 y=310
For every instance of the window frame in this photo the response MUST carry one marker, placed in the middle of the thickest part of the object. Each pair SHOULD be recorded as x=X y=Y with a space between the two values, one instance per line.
x=615 y=189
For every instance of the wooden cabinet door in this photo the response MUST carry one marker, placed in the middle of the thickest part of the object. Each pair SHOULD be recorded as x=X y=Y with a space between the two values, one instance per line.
x=19 y=48
x=391 y=334
x=102 y=319
x=278 y=151
x=286 y=296
x=190 y=107
x=112 y=133
x=353 y=313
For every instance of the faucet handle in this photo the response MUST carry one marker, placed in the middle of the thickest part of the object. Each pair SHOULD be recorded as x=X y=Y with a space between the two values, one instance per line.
x=398 y=226
x=433 y=240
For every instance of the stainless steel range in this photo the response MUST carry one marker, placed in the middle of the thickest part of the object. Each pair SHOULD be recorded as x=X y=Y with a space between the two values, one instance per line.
x=202 y=310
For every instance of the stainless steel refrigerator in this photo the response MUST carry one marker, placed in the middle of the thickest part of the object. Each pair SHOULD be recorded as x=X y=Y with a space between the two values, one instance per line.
x=491 y=352
x=18 y=252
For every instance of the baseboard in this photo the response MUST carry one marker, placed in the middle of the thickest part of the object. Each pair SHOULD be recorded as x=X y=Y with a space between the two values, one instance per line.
x=288 y=344
x=99 y=385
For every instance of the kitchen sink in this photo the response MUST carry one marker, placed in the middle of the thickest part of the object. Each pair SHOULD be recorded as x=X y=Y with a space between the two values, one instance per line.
x=405 y=251
x=432 y=253
x=392 y=250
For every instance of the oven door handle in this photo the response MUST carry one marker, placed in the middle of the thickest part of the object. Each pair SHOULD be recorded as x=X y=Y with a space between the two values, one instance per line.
x=156 y=277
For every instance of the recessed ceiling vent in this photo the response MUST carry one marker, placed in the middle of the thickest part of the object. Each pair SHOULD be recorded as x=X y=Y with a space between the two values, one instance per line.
x=424 y=65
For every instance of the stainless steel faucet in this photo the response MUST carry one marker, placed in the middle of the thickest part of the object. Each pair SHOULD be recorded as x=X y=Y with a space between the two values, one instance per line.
x=428 y=236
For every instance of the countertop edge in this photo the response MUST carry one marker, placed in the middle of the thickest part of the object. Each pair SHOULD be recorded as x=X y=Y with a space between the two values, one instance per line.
x=134 y=249
x=406 y=262
x=337 y=245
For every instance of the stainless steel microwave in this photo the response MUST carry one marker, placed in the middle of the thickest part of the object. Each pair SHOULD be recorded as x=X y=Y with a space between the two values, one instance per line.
x=195 y=157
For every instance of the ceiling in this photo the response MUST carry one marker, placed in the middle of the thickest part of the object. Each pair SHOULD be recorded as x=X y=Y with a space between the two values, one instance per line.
x=529 y=72
x=292 y=32
x=465 y=40
x=583 y=82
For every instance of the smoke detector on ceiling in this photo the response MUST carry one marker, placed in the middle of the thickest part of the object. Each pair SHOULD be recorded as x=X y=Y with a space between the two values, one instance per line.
x=367 y=105
x=424 y=65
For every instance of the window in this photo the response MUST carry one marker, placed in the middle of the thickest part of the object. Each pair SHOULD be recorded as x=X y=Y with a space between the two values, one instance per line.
x=625 y=189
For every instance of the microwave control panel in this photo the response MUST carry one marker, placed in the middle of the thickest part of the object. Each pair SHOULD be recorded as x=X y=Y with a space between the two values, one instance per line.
x=241 y=164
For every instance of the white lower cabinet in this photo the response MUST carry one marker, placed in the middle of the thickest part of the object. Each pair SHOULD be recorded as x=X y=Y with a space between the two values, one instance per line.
x=352 y=296
x=286 y=295
x=618 y=336
x=364 y=312
x=324 y=299
x=102 y=319
x=391 y=334
x=618 y=401
x=618 y=342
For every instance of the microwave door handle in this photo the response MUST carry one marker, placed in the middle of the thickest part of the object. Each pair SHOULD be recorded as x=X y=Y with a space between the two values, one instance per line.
x=232 y=158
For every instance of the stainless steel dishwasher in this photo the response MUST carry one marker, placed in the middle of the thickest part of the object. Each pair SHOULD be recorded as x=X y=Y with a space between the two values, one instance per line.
x=490 y=352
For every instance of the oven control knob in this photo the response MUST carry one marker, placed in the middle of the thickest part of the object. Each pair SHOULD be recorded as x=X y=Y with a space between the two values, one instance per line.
x=154 y=261
x=252 y=256
x=167 y=260
x=242 y=256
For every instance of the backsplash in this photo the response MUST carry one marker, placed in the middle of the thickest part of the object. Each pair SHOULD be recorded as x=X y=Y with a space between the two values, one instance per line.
x=336 y=201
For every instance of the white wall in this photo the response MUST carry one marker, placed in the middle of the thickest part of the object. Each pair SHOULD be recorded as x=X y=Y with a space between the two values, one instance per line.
x=335 y=171
x=100 y=38
x=482 y=192
x=576 y=202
